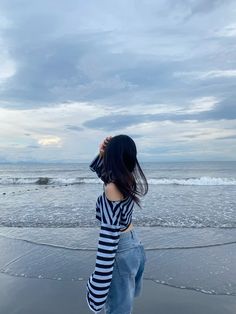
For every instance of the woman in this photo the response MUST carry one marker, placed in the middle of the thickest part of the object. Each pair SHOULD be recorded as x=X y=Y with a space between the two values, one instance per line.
x=121 y=257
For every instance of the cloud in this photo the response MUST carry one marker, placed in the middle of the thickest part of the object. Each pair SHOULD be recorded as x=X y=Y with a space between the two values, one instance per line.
x=33 y=146
x=74 y=128
x=58 y=58
x=230 y=137
x=50 y=141
x=155 y=135
x=197 y=75
x=227 y=31
x=70 y=75
x=203 y=108
x=8 y=67
x=202 y=104
x=200 y=6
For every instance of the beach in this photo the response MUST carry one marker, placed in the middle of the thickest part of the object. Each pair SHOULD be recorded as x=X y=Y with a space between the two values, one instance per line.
x=49 y=234
x=26 y=296
x=39 y=278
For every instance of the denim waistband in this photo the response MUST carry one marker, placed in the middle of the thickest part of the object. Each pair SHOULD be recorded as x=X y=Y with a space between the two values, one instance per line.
x=128 y=234
x=128 y=239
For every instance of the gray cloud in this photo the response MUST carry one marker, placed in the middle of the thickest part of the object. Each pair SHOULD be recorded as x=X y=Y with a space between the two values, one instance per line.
x=84 y=61
x=201 y=6
x=225 y=110
x=74 y=128
x=117 y=55
x=33 y=146
x=230 y=137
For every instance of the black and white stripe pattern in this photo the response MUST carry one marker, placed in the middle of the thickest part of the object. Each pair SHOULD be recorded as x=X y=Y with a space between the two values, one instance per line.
x=113 y=215
x=97 y=165
x=99 y=282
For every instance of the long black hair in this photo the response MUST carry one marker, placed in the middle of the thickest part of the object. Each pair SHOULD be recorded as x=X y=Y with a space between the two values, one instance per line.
x=122 y=167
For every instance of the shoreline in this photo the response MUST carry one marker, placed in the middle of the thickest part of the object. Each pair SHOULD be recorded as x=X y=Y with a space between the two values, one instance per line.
x=46 y=296
x=37 y=278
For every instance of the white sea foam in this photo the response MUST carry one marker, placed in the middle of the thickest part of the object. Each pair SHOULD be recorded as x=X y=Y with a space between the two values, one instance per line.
x=205 y=180
x=195 y=181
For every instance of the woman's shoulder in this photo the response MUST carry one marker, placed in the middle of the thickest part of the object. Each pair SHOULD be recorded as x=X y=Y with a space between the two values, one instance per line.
x=112 y=192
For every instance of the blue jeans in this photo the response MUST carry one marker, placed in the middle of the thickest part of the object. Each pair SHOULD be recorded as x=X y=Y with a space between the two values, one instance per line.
x=127 y=274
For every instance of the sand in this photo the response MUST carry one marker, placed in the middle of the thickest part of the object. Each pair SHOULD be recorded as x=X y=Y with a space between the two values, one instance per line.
x=42 y=279
x=45 y=296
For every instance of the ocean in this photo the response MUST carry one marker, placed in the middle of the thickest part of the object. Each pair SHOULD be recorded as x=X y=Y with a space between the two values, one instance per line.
x=187 y=221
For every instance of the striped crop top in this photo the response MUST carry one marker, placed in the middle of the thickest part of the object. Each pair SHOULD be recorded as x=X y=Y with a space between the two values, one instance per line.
x=113 y=215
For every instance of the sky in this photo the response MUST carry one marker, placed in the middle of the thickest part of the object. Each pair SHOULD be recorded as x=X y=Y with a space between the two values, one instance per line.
x=73 y=72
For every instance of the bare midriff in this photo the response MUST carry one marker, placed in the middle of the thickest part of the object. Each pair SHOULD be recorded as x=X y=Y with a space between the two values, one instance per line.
x=131 y=226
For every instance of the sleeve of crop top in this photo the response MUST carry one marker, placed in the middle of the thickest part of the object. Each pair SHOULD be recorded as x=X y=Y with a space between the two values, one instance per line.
x=97 y=165
x=99 y=281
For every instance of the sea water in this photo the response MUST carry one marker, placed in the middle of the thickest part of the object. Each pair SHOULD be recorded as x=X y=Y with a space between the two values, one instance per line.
x=187 y=222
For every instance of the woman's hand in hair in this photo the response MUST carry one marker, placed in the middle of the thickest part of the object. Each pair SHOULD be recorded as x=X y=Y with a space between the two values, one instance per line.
x=103 y=144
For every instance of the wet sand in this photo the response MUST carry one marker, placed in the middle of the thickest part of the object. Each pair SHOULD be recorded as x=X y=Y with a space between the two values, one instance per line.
x=45 y=296
x=37 y=278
